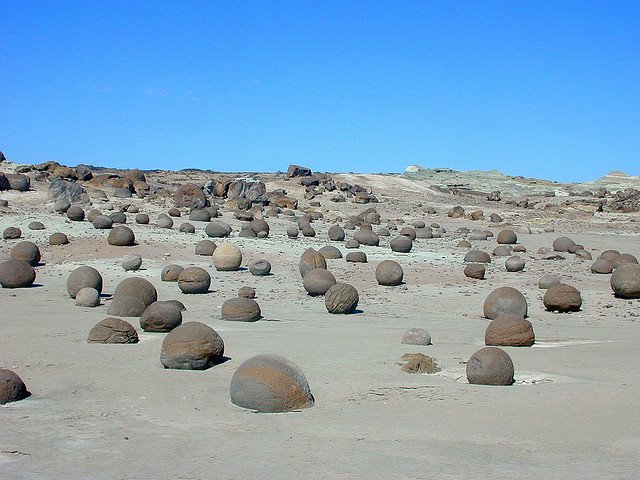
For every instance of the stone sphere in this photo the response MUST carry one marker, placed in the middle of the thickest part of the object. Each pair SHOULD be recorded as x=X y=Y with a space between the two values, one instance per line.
x=474 y=270
x=11 y=233
x=200 y=215
x=192 y=346
x=142 y=219
x=102 y=222
x=193 y=280
x=83 y=277
x=336 y=233
x=425 y=233
x=259 y=225
x=241 y=309
x=27 y=252
x=187 y=228
x=16 y=274
x=317 y=281
x=507 y=237
x=401 y=244
x=329 y=252
x=548 y=280
x=416 y=336
x=131 y=297
x=505 y=300
x=625 y=281
x=509 y=330
x=131 y=262
x=341 y=298
x=174 y=212
x=247 y=292
x=205 y=247
x=490 y=366
x=270 y=384
x=260 y=268
x=602 y=266
x=12 y=388
x=624 y=259
x=292 y=231
x=477 y=235
x=36 y=226
x=170 y=273
x=477 y=256
x=562 y=298
x=352 y=243
x=356 y=257
x=87 y=297
x=502 y=251
x=218 y=229
x=164 y=221
x=121 y=236
x=61 y=205
x=309 y=260
x=75 y=213
x=467 y=244
x=563 y=244
x=161 y=317
x=389 y=273
x=227 y=257
x=408 y=232
x=118 y=217
x=113 y=330
x=308 y=231
x=514 y=264
x=367 y=237
x=58 y=238
x=91 y=216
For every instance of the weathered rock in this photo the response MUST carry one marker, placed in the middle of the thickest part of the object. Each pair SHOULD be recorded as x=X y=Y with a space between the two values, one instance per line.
x=505 y=300
x=142 y=219
x=260 y=268
x=83 y=277
x=563 y=244
x=36 y=226
x=161 y=317
x=11 y=233
x=241 y=309
x=102 y=222
x=367 y=237
x=190 y=195
x=16 y=274
x=247 y=292
x=200 y=215
x=352 y=243
x=416 y=336
x=131 y=297
x=227 y=257
x=260 y=227
x=170 y=273
x=514 y=264
x=562 y=298
x=27 y=252
x=131 y=262
x=474 y=270
x=298 y=171
x=113 y=330
x=174 y=212
x=507 y=237
x=87 y=297
x=548 y=280
x=18 y=182
x=205 y=247
x=356 y=257
x=187 y=228
x=75 y=213
x=192 y=346
x=292 y=231
x=502 y=251
x=625 y=281
x=389 y=273
x=194 y=280
x=509 y=330
x=401 y=244
x=329 y=252
x=477 y=256
x=121 y=236
x=12 y=388
x=270 y=384
x=217 y=229
x=490 y=366
x=118 y=217
x=336 y=233
x=58 y=238
x=317 y=281
x=309 y=260
x=340 y=298
x=456 y=212
x=164 y=221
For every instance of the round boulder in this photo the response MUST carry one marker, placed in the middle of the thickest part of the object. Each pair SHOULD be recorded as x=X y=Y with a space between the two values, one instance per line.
x=505 y=300
x=142 y=219
x=548 y=280
x=131 y=262
x=193 y=280
x=341 y=298
x=87 y=297
x=36 y=226
x=170 y=273
x=218 y=229
x=164 y=221
x=131 y=297
x=11 y=233
x=562 y=298
x=270 y=384
x=102 y=222
x=507 y=237
x=75 y=213
x=192 y=346
x=241 y=309
x=329 y=252
x=507 y=330
x=113 y=330
x=161 y=317
x=309 y=260
x=83 y=277
x=401 y=243
x=416 y=336
x=389 y=273
x=474 y=270
x=121 y=236
x=336 y=233
x=227 y=257
x=477 y=256
x=490 y=366
x=260 y=268
x=58 y=238
x=16 y=274
x=317 y=281
x=205 y=247
x=514 y=264
x=356 y=257
x=12 y=388
x=27 y=252
x=625 y=281
x=563 y=244
x=247 y=292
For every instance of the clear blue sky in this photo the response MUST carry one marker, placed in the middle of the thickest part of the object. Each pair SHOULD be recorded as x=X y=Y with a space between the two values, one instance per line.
x=548 y=88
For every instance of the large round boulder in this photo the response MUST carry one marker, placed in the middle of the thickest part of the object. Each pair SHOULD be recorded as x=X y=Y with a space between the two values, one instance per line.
x=477 y=256
x=102 y=222
x=490 y=366
x=329 y=252
x=131 y=297
x=83 y=277
x=87 y=297
x=227 y=257
x=218 y=229
x=317 y=281
x=474 y=270
x=389 y=273
x=336 y=233
x=514 y=264
x=260 y=268
x=341 y=298
x=562 y=298
x=270 y=384
x=192 y=346
x=193 y=280
x=131 y=262
x=12 y=388
x=11 y=233
x=75 y=213
x=416 y=336
x=508 y=330
x=507 y=237
x=121 y=236
x=505 y=300
x=113 y=330
x=27 y=252
x=161 y=317
x=16 y=274
x=563 y=244
x=367 y=237
x=170 y=273
x=625 y=281
x=311 y=259
x=241 y=309
x=401 y=244
x=58 y=238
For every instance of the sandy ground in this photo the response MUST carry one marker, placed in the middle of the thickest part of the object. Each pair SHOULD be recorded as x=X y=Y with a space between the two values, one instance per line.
x=113 y=411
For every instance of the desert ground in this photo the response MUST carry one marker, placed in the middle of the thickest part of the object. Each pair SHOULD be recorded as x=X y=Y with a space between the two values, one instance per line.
x=100 y=411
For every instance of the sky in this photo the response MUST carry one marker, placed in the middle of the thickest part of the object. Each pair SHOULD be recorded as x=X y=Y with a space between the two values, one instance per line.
x=540 y=89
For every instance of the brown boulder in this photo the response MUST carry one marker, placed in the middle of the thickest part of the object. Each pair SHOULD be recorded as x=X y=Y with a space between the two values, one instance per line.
x=192 y=346
x=113 y=330
x=509 y=330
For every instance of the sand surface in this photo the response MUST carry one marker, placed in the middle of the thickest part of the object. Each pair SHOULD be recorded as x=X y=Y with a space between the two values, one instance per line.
x=114 y=412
